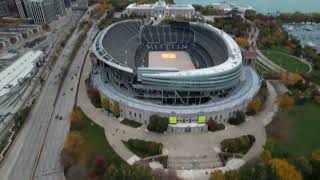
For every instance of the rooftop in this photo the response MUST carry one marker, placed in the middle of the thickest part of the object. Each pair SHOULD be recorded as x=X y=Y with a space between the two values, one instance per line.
x=18 y=70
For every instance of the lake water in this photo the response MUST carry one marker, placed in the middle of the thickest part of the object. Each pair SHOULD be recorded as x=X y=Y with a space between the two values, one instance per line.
x=267 y=6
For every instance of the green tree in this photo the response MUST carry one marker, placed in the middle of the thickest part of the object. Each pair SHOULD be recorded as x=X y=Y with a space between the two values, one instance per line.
x=303 y=165
x=238 y=118
x=158 y=124
x=231 y=175
x=315 y=162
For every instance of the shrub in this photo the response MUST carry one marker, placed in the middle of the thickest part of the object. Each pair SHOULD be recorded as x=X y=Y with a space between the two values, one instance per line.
x=131 y=123
x=144 y=148
x=94 y=96
x=214 y=126
x=240 y=145
x=99 y=165
x=254 y=106
x=237 y=119
x=105 y=104
x=77 y=119
x=158 y=124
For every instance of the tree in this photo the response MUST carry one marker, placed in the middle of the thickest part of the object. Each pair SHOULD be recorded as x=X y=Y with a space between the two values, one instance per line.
x=290 y=78
x=217 y=175
x=73 y=116
x=256 y=171
x=303 y=165
x=254 y=106
x=239 y=145
x=232 y=175
x=242 y=42
x=238 y=118
x=315 y=162
x=77 y=119
x=115 y=109
x=67 y=158
x=214 y=126
x=77 y=145
x=158 y=124
x=99 y=165
x=285 y=102
x=250 y=14
x=94 y=96
x=105 y=104
x=266 y=155
x=284 y=170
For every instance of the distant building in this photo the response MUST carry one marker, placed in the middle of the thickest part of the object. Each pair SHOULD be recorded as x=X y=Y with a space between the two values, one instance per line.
x=59 y=7
x=43 y=11
x=160 y=9
x=83 y=4
x=21 y=6
x=4 y=10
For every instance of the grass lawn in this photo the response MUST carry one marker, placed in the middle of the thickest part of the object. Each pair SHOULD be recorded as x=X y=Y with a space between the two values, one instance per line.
x=304 y=135
x=97 y=143
x=286 y=61
x=131 y=123
x=315 y=76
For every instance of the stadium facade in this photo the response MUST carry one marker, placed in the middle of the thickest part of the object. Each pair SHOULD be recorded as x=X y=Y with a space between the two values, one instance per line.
x=217 y=86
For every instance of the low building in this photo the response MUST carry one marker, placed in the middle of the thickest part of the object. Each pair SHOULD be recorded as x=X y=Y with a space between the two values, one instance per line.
x=13 y=77
x=160 y=9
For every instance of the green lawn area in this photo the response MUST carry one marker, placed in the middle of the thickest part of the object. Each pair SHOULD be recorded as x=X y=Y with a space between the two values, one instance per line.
x=304 y=135
x=97 y=143
x=315 y=76
x=286 y=61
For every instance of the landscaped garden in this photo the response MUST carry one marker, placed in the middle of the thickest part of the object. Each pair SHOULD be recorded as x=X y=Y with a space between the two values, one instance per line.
x=286 y=61
x=87 y=148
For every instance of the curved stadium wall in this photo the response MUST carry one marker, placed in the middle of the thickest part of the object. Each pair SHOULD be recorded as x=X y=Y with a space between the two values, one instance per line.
x=219 y=86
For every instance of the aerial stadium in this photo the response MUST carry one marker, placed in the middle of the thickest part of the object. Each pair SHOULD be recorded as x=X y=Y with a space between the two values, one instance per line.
x=185 y=71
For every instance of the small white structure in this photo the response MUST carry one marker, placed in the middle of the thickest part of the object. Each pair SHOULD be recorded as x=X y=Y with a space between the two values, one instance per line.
x=13 y=76
x=160 y=9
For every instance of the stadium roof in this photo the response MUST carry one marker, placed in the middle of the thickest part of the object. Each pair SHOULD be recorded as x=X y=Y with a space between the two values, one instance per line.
x=20 y=69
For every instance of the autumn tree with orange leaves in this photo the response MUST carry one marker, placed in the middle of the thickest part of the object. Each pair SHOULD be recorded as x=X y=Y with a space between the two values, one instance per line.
x=285 y=102
x=217 y=175
x=284 y=170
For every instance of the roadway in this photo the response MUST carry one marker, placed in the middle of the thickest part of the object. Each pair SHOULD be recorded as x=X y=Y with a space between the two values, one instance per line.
x=48 y=166
x=22 y=158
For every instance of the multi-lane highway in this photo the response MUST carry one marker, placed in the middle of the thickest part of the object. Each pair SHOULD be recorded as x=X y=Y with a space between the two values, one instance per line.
x=43 y=135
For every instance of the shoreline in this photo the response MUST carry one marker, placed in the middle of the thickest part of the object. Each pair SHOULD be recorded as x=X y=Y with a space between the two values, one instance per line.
x=272 y=11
